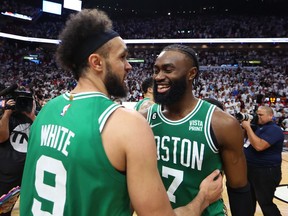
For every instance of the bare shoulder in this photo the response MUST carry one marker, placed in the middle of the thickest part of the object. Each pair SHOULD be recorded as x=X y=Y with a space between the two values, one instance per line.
x=129 y=116
x=127 y=137
x=128 y=122
x=226 y=127
x=145 y=105
x=223 y=119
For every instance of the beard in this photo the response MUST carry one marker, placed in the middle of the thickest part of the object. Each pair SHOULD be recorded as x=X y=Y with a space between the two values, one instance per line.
x=113 y=83
x=173 y=95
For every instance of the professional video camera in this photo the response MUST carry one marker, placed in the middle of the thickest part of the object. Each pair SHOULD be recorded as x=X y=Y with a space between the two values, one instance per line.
x=23 y=99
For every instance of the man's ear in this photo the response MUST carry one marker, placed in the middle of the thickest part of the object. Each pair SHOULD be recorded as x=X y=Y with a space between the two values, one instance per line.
x=193 y=73
x=150 y=90
x=96 y=61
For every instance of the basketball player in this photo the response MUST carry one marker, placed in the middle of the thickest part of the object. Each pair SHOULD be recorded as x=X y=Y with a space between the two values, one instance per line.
x=85 y=157
x=147 y=101
x=194 y=137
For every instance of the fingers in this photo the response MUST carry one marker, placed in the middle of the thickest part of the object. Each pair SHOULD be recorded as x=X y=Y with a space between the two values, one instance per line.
x=216 y=186
x=13 y=200
x=11 y=102
x=13 y=188
x=8 y=206
x=215 y=174
x=9 y=105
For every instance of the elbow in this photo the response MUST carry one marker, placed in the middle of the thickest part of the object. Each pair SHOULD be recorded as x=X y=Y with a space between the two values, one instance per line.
x=260 y=145
x=258 y=148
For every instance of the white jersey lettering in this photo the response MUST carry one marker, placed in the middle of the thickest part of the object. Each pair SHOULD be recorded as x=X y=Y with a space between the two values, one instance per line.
x=183 y=151
x=55 y=136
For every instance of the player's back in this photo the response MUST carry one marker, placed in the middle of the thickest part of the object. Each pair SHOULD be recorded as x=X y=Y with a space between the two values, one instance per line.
x=67 y=171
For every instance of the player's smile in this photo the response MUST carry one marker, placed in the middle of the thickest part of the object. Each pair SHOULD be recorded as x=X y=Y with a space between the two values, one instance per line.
x=162 y=88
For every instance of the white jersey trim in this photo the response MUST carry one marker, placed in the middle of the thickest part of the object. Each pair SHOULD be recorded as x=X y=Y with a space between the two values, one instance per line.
x=207 y=129
x=105 y=115
x=181 y=121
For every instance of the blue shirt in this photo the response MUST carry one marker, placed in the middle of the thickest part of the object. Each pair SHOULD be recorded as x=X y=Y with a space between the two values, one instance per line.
x=272 y=156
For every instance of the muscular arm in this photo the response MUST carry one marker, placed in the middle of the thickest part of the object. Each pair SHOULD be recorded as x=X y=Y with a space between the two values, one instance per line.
x=130 y=146
x=132 y=149
x=230 y=139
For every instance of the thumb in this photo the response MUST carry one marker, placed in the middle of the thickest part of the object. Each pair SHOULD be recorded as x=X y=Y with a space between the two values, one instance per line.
x=215 y=174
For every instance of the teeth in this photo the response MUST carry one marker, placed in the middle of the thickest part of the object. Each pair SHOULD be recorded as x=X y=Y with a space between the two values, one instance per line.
x=163 y=86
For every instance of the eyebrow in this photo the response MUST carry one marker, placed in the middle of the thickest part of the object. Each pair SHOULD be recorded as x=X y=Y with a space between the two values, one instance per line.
x=125 y=50
x=164 y=65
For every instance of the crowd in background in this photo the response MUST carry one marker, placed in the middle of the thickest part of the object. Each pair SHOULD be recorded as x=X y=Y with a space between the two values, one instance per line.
x=204 y=26
x=238 y=87
x=162 y=26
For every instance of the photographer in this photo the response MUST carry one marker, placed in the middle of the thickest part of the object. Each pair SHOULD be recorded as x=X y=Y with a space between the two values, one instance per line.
x=263 y=150
x=14 y=130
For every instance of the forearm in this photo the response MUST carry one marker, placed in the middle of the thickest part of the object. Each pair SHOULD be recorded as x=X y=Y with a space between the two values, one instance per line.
x=251 y=135
x=195 y=207
x=4 y=127
x=254 y=140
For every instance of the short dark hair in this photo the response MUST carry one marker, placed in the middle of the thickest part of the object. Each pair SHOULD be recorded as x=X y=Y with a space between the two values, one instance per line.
x=186 y=50
x=79 y=28
x=147 y=83
x=189 y=52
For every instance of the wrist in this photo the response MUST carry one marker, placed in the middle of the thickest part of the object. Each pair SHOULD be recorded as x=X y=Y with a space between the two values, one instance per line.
x=203 y=200
x=7 y=113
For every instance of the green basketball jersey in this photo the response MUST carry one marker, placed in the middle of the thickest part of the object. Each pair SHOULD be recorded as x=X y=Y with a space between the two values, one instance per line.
x=67 y=171
x=139 y=103
x=185 y=153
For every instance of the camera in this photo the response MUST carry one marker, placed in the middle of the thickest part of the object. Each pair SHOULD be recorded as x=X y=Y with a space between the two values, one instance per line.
x=245 y=117
x=23 y=99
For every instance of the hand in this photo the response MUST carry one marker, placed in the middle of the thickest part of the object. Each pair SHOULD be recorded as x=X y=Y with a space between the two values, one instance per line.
x=9 y=103
x=7 y=206
x=212 y=186
x=246 y=124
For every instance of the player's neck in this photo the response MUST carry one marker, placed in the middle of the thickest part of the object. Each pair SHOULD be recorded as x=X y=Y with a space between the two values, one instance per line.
x=149 y=95
x=179 y=110
x=85 y=84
